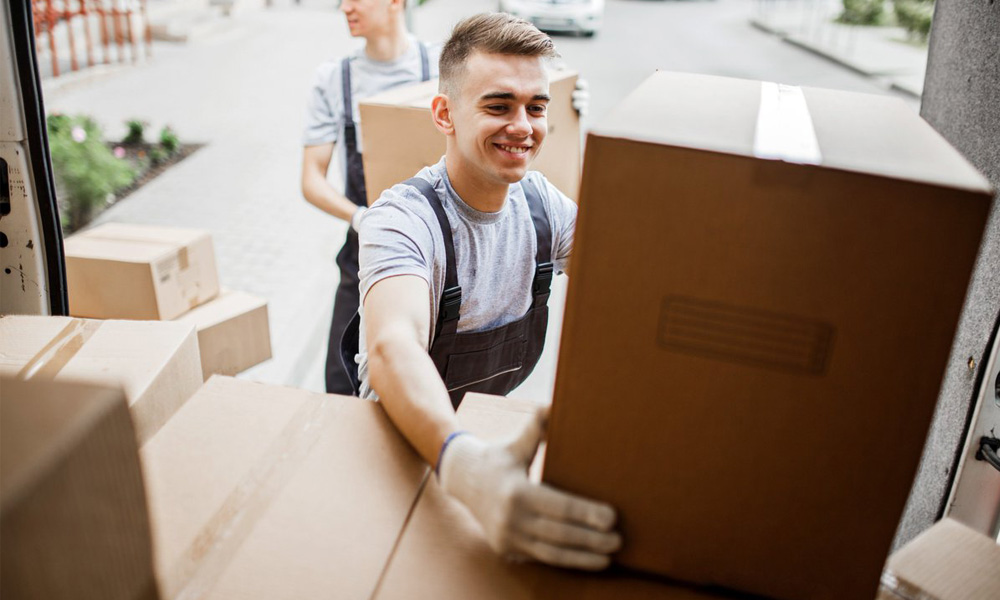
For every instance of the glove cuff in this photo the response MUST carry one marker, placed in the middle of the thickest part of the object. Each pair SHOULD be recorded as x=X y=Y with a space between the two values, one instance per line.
x=356 y=218
x=458 y=464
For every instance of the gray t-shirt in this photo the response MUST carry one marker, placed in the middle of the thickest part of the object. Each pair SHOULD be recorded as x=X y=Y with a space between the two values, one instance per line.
x=325 y=110
x=494 y=252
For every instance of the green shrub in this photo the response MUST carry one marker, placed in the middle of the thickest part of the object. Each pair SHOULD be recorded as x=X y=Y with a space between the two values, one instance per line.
x=157 y=155
x=862 y=12
x=169 y=141
x=915 y=16
x=136 y=132
x=86 y=169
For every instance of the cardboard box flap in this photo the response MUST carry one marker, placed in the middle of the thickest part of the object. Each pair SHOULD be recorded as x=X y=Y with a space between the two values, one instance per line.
x=146 y=233
x=130 y=251
x=856 y=132
x=303 y=495
x=949 y=561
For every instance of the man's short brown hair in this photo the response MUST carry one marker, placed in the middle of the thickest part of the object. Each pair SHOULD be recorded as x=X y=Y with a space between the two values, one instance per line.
x=490 y=33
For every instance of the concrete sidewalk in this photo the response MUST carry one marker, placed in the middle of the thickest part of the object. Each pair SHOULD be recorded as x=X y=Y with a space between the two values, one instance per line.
x=884 y=54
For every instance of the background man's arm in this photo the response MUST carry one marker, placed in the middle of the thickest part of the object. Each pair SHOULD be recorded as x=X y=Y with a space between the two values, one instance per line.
x=317 y=189
x=397 y=327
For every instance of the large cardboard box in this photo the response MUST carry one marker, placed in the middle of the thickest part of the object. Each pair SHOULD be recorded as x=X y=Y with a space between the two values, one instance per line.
x=156 y=364
x=442 y=552
x=121 y=271
x=233 y=332
x=399 y=138
x=260 y=491
x=949 y=561
x=754 y=342
x=72 y=505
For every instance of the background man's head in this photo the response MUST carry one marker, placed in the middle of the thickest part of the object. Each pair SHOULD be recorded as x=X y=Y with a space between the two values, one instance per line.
x=372 y=18
x=494 y=92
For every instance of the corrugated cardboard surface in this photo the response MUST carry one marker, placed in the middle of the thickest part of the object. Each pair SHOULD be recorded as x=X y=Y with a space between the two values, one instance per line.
x=157 y=364
x=261 y=491
x=949 y=561
x=72 y=505
x=442 y=552
x=399 y=137
x=752 y=349
x=233 y=332
x=119 y=271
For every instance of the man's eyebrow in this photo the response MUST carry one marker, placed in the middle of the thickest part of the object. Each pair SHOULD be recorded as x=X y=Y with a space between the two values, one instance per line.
x=511 y=96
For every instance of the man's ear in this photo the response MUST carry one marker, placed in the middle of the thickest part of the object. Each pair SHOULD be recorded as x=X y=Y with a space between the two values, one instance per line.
x=441 y=113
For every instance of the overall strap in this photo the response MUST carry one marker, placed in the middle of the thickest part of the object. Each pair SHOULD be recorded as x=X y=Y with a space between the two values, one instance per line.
x=451 y=299
x=425 y=66
x=542 y=283
x=350 y=137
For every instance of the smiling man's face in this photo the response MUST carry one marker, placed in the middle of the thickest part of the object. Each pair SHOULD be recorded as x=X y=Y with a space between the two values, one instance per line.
x=499 y=116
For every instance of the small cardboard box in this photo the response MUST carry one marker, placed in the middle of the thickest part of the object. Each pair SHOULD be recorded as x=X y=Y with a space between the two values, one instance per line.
x=754 y=342
x=949 y=561
x=261 y=491
x=156 y=363
x=233 y=332
x=399 y=137
x=72 y=507
x=119 y=271
x=442 y=552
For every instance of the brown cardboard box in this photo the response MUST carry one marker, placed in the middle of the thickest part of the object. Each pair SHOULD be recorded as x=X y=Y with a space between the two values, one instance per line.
x=157 y=364
x=119 y=271
x=949 y=561
x=752 y=348
x=442 y=552
x=399 y=137
x=72 y=505
x=260 y=491
x=233 y=332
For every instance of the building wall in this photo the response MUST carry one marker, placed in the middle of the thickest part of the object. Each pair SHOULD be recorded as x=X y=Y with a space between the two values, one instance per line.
x=962 y=101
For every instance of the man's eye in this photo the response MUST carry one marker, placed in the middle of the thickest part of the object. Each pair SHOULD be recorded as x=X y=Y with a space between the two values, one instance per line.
x=496 y=108
x=538 y=109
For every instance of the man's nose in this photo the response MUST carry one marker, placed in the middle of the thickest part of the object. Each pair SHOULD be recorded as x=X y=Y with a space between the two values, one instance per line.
x=520 y=125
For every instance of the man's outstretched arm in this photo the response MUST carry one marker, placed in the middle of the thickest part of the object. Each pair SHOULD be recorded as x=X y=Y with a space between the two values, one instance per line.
x=518 y=517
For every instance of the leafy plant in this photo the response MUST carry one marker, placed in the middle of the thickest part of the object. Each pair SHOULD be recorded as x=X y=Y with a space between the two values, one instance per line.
x=862 y=12
x=915 y=16
x=136 y=131
x=88 y=172
x=169 y=141
x=157 y=155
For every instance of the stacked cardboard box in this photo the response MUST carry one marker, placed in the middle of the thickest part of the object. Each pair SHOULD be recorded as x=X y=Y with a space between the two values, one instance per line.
x=753 y=346
x=156 y=363
x=399 y=137
x=72 y=508
x=120 y=271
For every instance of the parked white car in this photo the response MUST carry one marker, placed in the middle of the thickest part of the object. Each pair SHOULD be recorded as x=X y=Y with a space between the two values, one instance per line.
x=579 y=16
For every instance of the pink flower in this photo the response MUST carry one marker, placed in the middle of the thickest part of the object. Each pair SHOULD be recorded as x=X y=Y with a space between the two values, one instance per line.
x=119 y=152
x=79 y=135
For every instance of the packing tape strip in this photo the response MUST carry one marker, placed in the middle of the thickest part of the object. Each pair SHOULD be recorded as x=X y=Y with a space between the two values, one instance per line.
x=197 y=570
x=50 y=360
x=784 y=127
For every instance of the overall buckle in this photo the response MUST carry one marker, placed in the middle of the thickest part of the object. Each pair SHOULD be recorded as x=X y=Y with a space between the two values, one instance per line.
x=451 y=301
x=543 y=279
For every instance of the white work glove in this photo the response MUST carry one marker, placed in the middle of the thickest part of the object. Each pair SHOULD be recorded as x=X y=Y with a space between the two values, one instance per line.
x=522 y=519
x=356 y=219
x=581 y=97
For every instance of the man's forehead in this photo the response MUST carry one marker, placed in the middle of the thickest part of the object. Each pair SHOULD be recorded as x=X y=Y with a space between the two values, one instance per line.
x=503 y=73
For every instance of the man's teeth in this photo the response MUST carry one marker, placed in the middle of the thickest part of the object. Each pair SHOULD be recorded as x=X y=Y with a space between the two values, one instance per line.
x=514 y=149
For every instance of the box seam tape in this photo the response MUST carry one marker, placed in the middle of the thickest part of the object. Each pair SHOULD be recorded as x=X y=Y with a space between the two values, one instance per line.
x=60 y=350
x=784 y=126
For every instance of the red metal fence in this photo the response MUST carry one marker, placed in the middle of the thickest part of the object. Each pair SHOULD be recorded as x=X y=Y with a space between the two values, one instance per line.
x=58 y=23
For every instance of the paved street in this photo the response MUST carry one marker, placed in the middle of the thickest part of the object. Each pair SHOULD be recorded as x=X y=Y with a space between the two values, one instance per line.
x=241 y=89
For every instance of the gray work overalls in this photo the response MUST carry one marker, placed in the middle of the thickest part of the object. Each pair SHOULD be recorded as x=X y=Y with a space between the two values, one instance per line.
x=493 y=361
x=345 y=304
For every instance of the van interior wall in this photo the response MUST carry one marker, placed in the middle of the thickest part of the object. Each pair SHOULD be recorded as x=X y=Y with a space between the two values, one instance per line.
x=961 y=100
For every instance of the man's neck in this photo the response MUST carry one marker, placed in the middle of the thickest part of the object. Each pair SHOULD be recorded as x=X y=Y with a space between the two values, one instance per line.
x=477 y=192
x=390 y=45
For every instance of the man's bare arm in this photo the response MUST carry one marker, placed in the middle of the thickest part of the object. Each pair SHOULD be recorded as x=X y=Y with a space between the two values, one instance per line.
x=315 y=187
x=397 y=327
